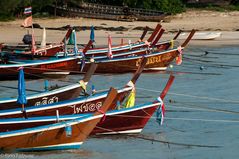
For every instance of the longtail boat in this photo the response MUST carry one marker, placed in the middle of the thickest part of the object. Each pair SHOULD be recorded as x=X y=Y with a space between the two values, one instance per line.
x=49 y=50
x=140 y=47
x=57 y=49
x=151 y=42
x=38 y=68
x=124 y=120
x=51 y=96
x=157 y=61
x=133 y=119
x=125 y=51
x=58 y=136
x=78 y=105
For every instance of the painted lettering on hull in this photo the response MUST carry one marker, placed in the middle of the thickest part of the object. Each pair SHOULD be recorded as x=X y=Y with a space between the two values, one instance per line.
x=47 y=100
x=151 y=60
x=86 y=107
x=52 y=66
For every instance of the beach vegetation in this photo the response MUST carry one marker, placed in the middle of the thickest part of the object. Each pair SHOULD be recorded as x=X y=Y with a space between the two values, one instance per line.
x=9 y=9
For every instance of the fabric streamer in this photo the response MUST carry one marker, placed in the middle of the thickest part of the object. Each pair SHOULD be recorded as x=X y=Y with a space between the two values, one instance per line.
x=110 y=55
x=130 y=101
x=179 y=58
x=160 y=114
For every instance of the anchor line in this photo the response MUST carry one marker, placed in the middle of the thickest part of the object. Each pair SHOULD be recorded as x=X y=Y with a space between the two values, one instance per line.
x=202 y=108
x=144 y=137
x=186 y=119
x=192 y=96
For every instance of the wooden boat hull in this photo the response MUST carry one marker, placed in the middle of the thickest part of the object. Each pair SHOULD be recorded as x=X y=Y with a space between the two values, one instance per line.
x=132 y=120
x=76 y=106
x=116 y=51
x=51 y=95
x=48 y=97
x=48 y=137
x=156 y=61
x=33 y=69
x=125 y=120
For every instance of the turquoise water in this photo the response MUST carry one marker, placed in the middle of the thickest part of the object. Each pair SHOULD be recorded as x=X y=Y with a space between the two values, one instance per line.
x=202 y=112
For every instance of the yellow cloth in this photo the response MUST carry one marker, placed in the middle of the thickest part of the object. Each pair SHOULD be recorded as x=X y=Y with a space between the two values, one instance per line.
x=82 y=84
x=130 y=100
x=171 y=44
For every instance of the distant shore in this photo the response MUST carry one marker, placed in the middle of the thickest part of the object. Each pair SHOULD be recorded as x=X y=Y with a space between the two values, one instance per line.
x=225 y=22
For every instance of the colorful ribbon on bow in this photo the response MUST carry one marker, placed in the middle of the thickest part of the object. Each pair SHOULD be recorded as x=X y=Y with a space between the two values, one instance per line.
x=179 y=58
x=160 y=114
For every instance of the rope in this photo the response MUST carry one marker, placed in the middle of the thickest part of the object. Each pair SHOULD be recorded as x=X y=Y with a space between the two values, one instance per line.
x=203 y=108
x=186 y=119
x=204 y=120
x=209 y=64
x=147 y=138
x=192 y=96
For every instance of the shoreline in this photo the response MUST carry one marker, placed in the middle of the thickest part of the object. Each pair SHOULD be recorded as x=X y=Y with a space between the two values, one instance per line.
x=225 y=22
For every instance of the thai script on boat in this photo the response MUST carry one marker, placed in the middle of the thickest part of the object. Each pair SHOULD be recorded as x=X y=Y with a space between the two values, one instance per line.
x=56 y=65
x=151 y=60
x=47 y=100
x=86 y=107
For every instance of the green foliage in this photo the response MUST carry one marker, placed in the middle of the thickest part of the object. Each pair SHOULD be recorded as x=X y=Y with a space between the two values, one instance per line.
x=234 y=6
x=7 y=8
x=11 y=8
x=169 y=6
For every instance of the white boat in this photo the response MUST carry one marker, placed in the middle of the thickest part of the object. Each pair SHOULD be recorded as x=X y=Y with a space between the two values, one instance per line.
x=202 y=35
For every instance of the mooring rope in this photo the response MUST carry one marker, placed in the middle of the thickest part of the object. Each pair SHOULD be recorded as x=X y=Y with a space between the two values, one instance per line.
x=209 y=64
x=178 y=118
x=151 y=139
x=203 y=120
x=204 y=109
x=192 y=96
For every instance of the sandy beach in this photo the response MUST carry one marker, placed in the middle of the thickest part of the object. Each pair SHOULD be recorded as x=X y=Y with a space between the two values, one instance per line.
x=225 y=22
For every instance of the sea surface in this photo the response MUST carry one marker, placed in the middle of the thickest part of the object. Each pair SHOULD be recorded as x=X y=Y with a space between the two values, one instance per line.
x=202 y=111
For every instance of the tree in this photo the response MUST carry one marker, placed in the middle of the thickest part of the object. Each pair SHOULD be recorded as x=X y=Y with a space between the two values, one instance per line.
x=7 y=8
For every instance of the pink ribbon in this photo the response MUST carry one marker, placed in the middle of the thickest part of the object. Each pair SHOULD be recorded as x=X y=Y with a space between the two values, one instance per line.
x=19 y=68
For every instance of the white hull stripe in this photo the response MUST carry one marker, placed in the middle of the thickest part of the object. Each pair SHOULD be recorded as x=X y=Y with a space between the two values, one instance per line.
x=135 y=57
x=123 y=132
x=156 y=68
x=71 y=117
x=67 y=144
x=43 y=94
x=40 y=62
x=49 y=127
x=119 y=48
x=56 y=73
x=60 y=104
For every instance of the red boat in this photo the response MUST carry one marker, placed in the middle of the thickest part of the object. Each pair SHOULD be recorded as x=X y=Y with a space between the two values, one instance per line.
x=39 y=68
x=131 y=120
